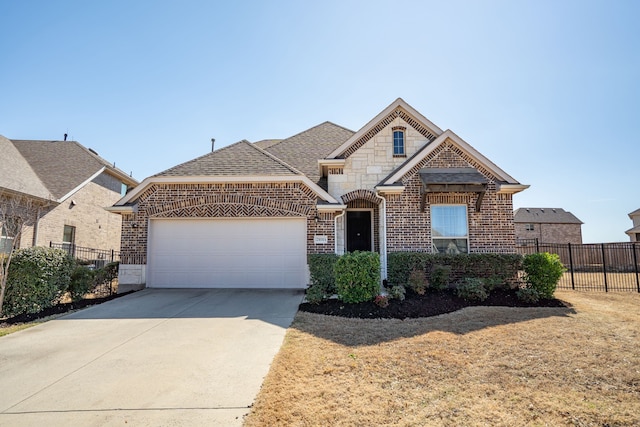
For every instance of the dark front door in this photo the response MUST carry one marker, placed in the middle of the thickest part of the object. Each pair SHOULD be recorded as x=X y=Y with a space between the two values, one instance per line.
x=358 y=231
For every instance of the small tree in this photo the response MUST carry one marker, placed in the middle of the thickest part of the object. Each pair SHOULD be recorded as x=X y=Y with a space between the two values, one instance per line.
x=17 y=212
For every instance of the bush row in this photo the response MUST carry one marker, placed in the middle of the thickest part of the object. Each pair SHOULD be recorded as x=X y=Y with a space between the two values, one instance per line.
x=355 y=277
x=39 y=278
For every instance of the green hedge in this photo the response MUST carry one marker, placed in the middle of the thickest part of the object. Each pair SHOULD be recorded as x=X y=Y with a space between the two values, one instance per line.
x=542 y=273
x=358 y=276
x=37 y=279
x=323 y=278
x=501 y=268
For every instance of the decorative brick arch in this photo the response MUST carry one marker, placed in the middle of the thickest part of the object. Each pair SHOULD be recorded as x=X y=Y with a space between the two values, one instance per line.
x=361 y=194
x=229 y=206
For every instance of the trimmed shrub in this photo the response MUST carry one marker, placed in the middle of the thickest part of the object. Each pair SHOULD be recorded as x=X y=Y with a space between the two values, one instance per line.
x=358 y=276
x=37 y=279
x=529 y=295
x=397 y=292
x=440 y=276
x=502 y=266
x=323 y=278
x=542 y=272
x=472 y=289
x=418 y=282
x=106 y=275
x=82 y=282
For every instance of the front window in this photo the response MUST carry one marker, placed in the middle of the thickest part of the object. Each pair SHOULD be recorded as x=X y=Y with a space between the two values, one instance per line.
x=449 y=230
x=6 y=242
x=398 y=143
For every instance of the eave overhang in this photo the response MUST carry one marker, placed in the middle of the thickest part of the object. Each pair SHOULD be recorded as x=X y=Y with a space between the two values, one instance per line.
x=452 y=180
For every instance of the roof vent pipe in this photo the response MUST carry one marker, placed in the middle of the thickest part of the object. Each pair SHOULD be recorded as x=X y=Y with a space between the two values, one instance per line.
x=213 y=140
x=65 y=136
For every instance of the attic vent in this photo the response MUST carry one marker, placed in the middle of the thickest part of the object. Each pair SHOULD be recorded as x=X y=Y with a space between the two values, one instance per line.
x=93 y=151
x=554 y=211
x=528 y=210
x=542 y=210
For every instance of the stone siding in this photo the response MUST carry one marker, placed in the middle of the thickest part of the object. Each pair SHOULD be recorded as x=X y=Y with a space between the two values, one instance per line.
x=374 y=161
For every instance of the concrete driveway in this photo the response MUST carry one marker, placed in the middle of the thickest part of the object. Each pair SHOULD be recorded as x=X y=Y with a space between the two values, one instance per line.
x=158 y=357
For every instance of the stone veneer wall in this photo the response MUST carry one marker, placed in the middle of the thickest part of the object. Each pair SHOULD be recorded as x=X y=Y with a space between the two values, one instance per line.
x=230 y=200
x=374 y=160
x=409 y=229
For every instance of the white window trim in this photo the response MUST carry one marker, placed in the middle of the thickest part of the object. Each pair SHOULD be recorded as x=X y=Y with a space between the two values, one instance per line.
x=466 y=211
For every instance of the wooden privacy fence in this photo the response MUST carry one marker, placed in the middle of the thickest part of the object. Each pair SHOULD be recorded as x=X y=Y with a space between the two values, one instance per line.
x=593 y=266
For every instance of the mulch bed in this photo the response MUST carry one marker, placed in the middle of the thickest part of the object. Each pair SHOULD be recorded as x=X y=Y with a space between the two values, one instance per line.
x=427 y=305
x=58 y=309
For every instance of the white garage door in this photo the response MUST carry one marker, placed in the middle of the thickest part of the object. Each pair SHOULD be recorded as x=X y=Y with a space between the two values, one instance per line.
x=227 y=253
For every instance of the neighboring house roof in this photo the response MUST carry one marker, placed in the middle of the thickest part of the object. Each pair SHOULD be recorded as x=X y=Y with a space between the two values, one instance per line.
x=16 y=174
x=634 y=213
x=239 y=159
x=58 y=167
x=633 y=230
x=302 y=151
x=544 y=216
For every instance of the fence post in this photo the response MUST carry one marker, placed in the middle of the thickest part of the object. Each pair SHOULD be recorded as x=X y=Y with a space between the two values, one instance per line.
x=537 y=246
x=573 y=283
x=50 y=244
x=635 y=265
x=604 y=268
x=111 y=255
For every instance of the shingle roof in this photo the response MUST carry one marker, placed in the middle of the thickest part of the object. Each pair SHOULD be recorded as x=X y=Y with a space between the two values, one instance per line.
x=239 y=159
x=452 y=176
x=266 y=143
x=302 y=151
x=544 y=216
x=61 y=166
x=16 y=174
x=634 y=213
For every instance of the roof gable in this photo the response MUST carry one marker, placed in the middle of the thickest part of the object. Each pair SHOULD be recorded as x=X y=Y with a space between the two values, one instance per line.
x=239 y=159
x=303 y=150
x=398 y=108
x=65 y=166
x=413 y=164
x=545 y=216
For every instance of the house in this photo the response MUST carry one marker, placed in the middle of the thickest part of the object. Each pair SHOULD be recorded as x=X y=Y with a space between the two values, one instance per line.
x=547 y=225
x=634 y=232
x=247 y=215
x=68 y=187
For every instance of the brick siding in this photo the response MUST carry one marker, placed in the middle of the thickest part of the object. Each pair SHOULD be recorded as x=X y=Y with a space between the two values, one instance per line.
x=409 y=229
x=550 y=233
x=225 y=200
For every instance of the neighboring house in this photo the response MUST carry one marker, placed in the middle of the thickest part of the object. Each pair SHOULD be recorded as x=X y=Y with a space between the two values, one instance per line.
x=547 y=225
x=247 y=215
x=70 y=186
x=634 y=233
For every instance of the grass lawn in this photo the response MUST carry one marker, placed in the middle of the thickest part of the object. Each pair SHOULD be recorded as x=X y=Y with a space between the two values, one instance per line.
x=480 y=366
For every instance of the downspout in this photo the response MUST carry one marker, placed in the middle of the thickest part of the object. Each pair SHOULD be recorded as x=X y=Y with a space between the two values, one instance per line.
x=335 y=231
x=383 y=237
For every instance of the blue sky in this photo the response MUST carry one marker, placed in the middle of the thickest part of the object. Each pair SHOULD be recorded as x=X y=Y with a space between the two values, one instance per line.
x=548 y=90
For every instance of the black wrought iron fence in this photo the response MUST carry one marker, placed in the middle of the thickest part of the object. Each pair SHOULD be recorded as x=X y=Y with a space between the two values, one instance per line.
x=593 y=266
x=96 y=258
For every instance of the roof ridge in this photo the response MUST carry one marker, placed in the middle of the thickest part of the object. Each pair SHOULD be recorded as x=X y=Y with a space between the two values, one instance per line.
x=271 y=156
x=202 y=156
x=310 y=129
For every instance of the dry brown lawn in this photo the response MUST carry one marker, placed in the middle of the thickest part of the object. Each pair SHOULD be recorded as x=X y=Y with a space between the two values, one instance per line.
x=480 y=366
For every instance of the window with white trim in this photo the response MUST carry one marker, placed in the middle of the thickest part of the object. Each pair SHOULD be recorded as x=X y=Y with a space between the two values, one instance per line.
x=449 y=229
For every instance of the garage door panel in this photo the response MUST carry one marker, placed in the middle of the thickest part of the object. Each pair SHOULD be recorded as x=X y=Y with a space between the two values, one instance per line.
x=228 y=253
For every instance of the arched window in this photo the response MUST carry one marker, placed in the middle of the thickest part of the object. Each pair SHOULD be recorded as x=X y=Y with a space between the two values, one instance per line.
x=398 y=142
